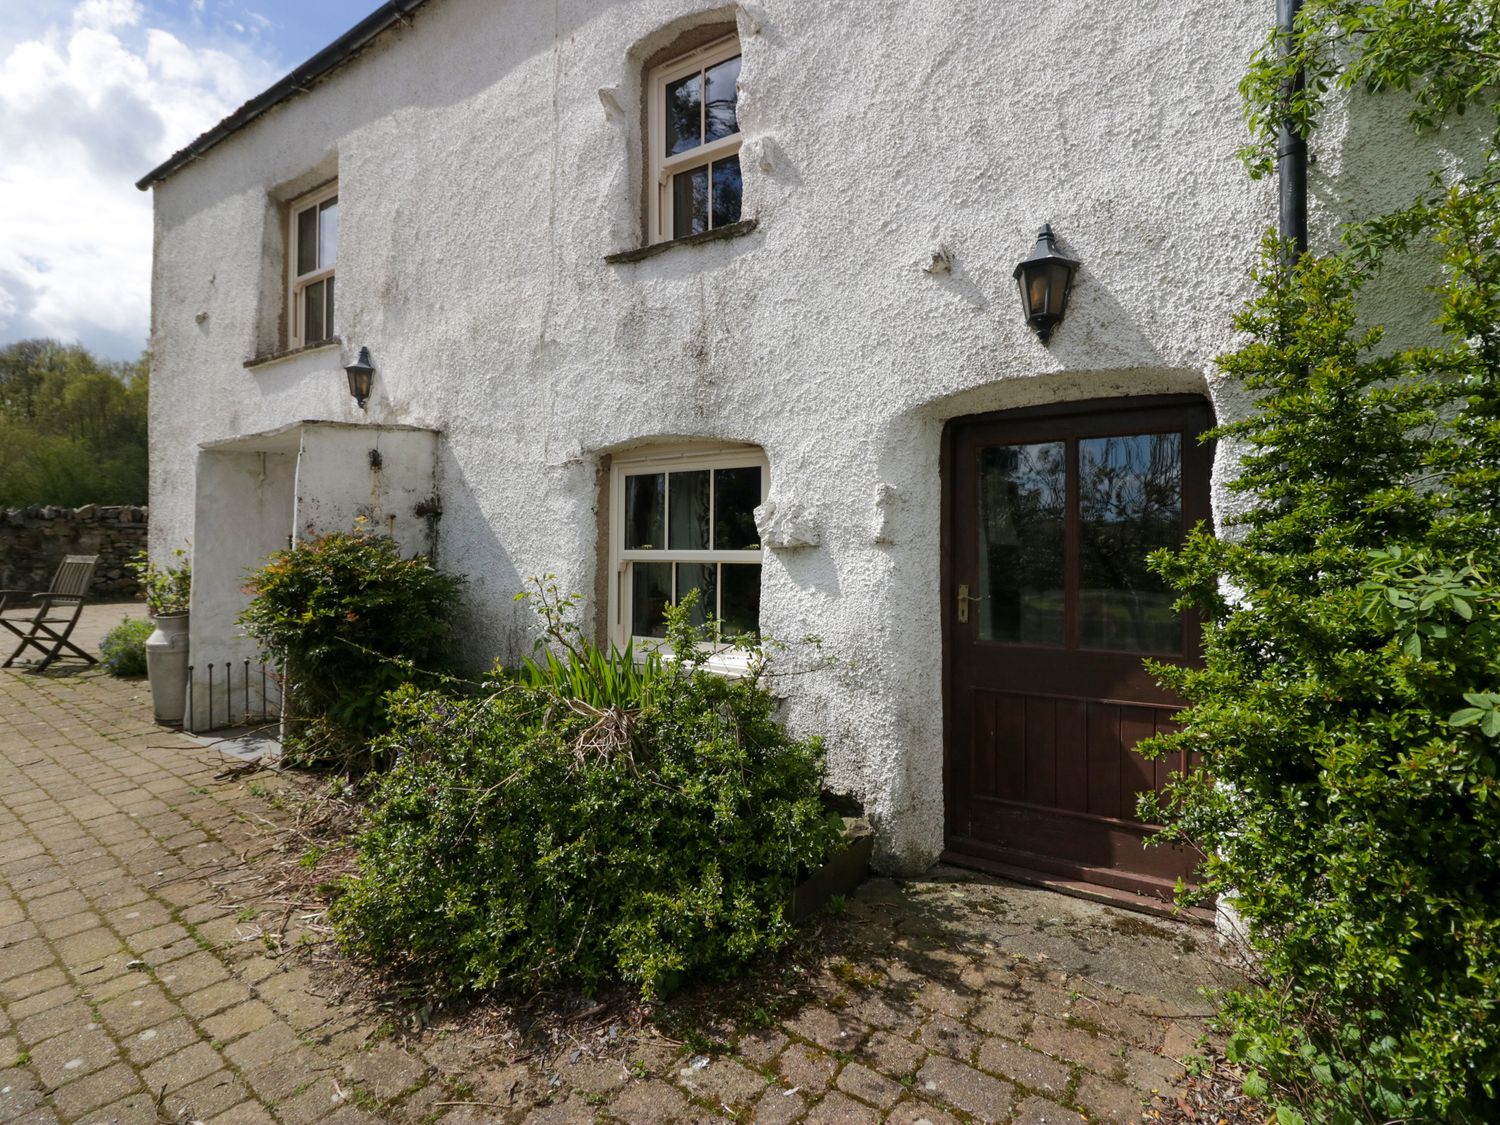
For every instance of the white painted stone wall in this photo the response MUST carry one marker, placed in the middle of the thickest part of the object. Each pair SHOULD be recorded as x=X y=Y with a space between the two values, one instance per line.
x=489 y=158
x=259 y=493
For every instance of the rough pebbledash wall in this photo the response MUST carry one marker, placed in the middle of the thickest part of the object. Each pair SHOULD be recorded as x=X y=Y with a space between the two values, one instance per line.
x=898 y=158
x=34 y=540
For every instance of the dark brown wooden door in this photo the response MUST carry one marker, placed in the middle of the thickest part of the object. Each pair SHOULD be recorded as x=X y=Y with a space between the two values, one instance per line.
x=1049 y=610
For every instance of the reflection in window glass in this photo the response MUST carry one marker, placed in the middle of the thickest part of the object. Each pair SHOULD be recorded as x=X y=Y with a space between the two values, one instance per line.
x=645 y=512
x=687 y=511
x=1022 y=494
x=651 y=593
x=740 y=599
x=700 y=577
x=328 y=233
x=727 y=191
x=1130 y=504
x=307 y=241
x=684 y=114
x=720 y=118
x=314 y=326
x=736 y=494
x=690 y=202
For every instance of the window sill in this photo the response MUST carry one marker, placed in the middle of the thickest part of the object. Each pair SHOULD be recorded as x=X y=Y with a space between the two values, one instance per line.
x=722 y=660
x=291 y=353
x=718 y=234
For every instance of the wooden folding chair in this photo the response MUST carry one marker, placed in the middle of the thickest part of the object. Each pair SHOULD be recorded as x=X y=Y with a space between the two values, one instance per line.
x=44 y=621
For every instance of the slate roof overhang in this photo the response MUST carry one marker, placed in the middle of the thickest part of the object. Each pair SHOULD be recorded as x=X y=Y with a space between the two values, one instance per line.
x=330 y=58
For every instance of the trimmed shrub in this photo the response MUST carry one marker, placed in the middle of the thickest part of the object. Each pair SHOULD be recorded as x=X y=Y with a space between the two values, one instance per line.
x=123 y=650
x=1346 y=712
x=528 y=837
x=345 y=619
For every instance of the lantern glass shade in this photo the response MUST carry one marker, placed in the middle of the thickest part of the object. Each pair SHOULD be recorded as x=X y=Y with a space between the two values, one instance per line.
x=1045 y=280
x=360 y=373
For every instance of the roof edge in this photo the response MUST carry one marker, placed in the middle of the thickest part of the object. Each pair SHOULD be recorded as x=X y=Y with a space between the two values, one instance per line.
x=340 y=51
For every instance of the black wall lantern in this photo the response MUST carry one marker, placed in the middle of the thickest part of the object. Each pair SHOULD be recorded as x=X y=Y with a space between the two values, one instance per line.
x=1045 y=279
x=360 y=372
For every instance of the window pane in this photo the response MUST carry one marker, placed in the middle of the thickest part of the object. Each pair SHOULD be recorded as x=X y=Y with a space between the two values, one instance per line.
x=684 y=114
x=645 y=512
x=313 y=324
x=307 y=241
x=720 y=119
x=741 y=599
x=1022 y=494
x=1130 y=503
x=690 y=202
x=650 y=594
x=727 y=191
x=328 y=233
x=688 y=512
x=736 y=493
x=328 y=317
x=700 y=577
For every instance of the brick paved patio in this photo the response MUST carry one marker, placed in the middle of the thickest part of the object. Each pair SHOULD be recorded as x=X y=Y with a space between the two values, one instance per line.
x=134 y=990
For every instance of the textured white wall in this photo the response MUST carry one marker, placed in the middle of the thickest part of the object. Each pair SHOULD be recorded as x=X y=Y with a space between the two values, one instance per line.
x=244 y=512
x=489 y=158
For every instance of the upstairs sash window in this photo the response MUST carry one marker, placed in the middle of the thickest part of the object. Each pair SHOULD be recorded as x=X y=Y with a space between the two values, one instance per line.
x=695 y=142
x=314 y=249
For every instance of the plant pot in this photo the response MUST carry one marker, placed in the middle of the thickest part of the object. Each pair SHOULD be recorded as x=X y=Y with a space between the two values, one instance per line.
x=167 y=666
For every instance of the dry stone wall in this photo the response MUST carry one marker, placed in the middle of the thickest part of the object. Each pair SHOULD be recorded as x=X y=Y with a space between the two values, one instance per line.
x=34 y=540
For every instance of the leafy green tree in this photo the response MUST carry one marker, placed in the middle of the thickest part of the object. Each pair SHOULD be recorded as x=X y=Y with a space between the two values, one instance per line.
x=1347 y=711
x=73 y=427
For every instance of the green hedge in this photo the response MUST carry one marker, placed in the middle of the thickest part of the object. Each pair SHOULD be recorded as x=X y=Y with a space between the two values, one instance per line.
x=345 y=620
x=526 y=837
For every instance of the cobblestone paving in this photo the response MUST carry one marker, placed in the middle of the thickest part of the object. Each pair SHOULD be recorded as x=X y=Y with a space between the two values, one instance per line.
x=130 y=991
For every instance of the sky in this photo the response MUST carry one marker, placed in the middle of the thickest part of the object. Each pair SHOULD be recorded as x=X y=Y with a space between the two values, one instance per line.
x=93 y=95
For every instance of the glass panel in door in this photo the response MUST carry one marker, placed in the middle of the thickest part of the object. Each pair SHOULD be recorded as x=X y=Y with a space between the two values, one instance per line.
x=1022 y=504
x=1130 y=504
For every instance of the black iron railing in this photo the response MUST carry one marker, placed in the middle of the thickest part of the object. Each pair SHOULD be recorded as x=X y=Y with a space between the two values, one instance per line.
x=250 y=684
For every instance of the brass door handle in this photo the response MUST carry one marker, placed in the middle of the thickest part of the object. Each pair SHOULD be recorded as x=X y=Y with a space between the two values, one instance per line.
x=964 y=598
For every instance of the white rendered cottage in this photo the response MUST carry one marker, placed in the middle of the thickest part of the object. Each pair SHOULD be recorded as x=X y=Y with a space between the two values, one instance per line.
x=662 y=296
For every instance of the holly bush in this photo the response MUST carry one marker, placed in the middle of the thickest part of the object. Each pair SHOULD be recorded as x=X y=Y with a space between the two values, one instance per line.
x=1346 y=711
x=560 y=828
x=345 y=619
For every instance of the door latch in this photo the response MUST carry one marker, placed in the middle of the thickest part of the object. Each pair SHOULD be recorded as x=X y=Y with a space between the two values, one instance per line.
x=964 y=598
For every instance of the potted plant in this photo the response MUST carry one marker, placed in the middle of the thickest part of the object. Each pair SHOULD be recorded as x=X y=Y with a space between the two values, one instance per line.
x=167 y=588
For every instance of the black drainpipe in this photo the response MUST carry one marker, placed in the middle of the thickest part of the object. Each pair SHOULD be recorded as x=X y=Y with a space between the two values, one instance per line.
x=1291 y=148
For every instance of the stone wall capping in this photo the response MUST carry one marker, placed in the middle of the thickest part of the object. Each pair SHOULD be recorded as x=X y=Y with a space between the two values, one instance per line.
x=34 y=539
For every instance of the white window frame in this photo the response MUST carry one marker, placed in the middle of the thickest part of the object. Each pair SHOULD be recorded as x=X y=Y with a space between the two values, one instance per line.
x=663 y=167
x=295 y=282
x=675 y=459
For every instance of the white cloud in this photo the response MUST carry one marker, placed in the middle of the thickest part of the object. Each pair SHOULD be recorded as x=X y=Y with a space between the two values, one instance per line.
x=107 y=14
x=88 y=104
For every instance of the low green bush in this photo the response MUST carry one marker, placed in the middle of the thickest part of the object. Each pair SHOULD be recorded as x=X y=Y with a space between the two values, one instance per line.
x=345 y=619
x=123 y=650
x=586 y=820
